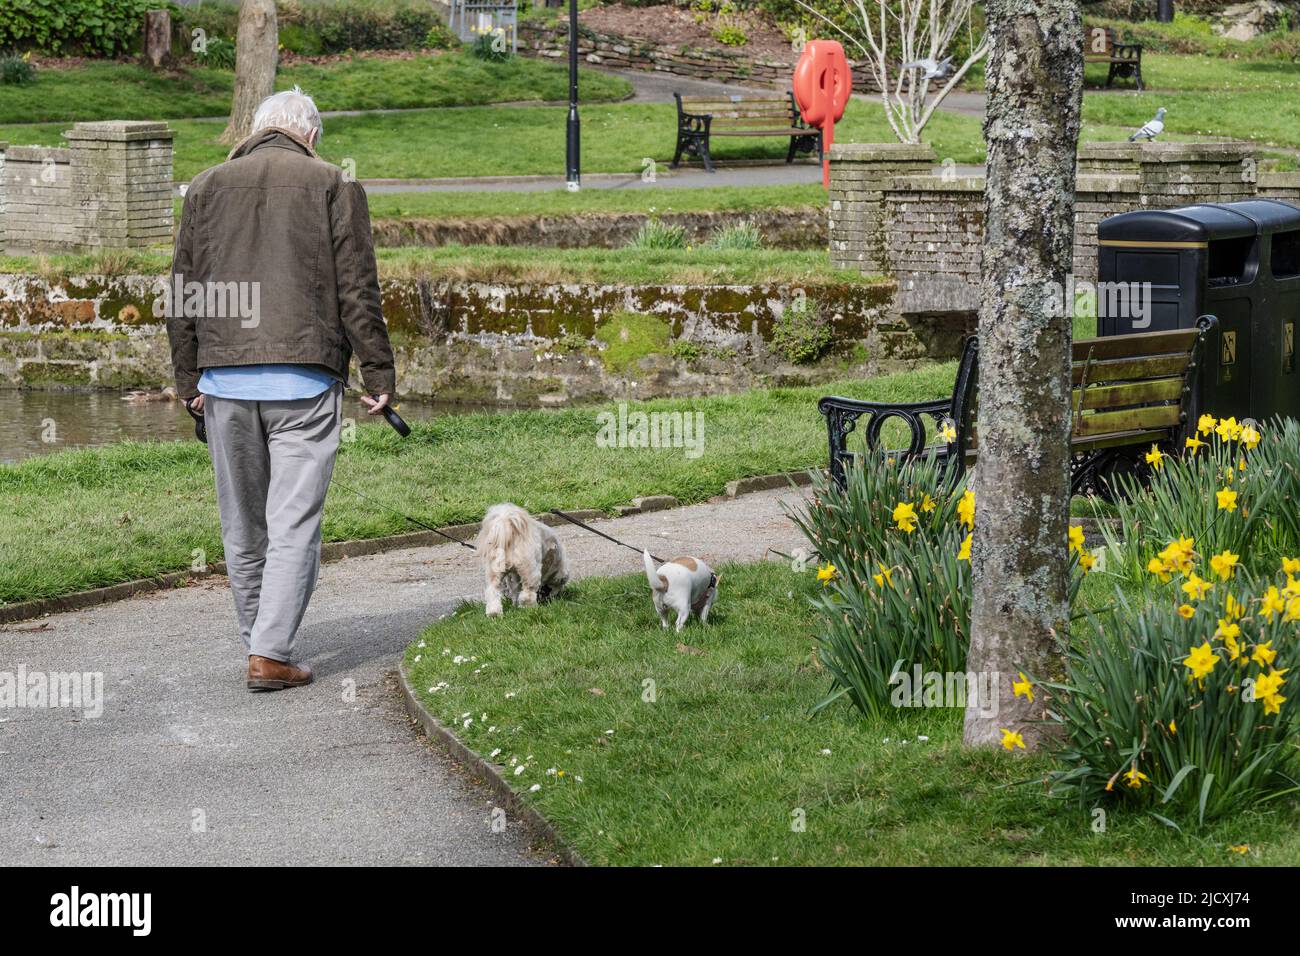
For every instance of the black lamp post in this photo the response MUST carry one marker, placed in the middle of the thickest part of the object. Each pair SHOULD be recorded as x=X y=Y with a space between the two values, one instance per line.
x=572 y=176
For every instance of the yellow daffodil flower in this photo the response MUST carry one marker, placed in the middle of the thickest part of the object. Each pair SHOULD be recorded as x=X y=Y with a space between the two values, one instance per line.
x=886 y=576
x=966 y=509
x=1187 y=611
x=948 y=432
x=1158 y=568
x=1023 y=688
x=1271 y=603
x=826 y=574
x=1264 y=654
x=1227 y=499
x=1228 y=429
x=1011 y=740
x=963 y=553
x=1155 y=457
x=1194 y=443
x=1196 y=587
x=905 y=516
x=927 y=503
x=1173 y=727
x=1291 y=566
x=1201 y=660
x=1223 y=564
x=1135 y=777
x=1205 y=424
x=1076 y=538
x=1249 y=436
x=1087 y=560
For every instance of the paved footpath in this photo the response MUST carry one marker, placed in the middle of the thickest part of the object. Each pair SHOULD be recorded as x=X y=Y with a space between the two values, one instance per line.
x=185 y=766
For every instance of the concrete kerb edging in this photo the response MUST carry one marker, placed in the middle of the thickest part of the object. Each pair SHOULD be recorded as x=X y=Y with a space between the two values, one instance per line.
x=338 y=550
x=510 y=801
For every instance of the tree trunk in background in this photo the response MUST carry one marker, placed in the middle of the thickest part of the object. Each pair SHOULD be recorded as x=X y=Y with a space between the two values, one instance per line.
x=1034 y=80
x=157 y=37
x=256 y=52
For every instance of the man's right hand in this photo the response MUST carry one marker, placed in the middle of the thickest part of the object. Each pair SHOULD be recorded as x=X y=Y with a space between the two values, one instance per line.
x=195 y=404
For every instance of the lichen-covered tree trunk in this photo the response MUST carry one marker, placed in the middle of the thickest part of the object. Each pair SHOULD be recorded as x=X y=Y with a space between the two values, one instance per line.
x=1034 y=80
x=256 y=53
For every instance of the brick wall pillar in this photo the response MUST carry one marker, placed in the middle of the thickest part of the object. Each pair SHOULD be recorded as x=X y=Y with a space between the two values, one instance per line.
x=1178 y=174
x=859 y=174
x=122 y=182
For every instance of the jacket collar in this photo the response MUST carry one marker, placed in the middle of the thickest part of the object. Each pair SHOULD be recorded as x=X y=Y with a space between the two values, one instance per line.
x=271 y=136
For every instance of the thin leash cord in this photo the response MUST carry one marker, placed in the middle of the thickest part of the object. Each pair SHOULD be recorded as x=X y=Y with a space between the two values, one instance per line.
x=401 y=514
x=587 y=527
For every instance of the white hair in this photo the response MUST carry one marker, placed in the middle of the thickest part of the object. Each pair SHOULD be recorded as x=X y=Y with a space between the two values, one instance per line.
x=292 y=110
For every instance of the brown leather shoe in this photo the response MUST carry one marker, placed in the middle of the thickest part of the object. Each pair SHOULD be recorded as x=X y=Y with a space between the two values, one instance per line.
x=266 y=674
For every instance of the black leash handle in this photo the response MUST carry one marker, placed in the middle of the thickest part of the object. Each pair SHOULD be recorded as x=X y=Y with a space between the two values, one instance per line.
x=587 y=527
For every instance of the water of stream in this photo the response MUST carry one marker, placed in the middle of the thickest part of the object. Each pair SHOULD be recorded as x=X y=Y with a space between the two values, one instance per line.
x=40 y=422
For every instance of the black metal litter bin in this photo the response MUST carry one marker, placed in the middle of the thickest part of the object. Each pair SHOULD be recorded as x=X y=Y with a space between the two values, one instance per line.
x=1238 y=261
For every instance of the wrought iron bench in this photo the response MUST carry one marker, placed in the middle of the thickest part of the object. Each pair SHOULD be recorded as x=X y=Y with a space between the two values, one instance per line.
x=1129 y=392
x=1125 y=59
x=700 y=118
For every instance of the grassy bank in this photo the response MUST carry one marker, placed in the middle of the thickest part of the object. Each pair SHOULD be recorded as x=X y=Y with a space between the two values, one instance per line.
x=559 y=202
x=699 y=265
x=132 y=91
x=716 y=768
x=76 y=520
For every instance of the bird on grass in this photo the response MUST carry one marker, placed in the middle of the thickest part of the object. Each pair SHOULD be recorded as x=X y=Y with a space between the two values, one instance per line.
x=1152 y=128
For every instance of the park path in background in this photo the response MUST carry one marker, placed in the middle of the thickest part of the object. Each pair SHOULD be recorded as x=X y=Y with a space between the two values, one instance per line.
x=185 y=766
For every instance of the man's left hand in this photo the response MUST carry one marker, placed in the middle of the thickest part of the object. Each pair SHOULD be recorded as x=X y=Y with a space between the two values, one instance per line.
x=376 y=405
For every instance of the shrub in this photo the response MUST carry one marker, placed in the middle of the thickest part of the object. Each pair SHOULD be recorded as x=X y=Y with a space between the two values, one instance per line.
x=802 y=333
x=440 y=37
x=217 y=52
x=657 y=234
x=893 y=598
x=492 y=47
x=741 y=235
x=90 y=27
x=1178 y=706
x=729 y=34
x=16 y=70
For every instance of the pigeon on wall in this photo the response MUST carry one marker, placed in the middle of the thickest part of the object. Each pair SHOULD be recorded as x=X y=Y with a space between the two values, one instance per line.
x=932 y=68
x=1152 y=128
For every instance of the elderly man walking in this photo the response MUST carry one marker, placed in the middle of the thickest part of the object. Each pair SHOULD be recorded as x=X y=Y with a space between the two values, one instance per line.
x=273 y=289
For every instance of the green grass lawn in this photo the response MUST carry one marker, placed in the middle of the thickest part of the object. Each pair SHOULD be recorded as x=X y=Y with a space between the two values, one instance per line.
x=698 y=265
x=111 y=90
x=81 y=519
x=717 y=766
x=524 y=140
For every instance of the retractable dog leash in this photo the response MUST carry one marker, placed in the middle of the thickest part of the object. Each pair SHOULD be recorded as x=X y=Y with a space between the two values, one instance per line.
x=587 y=527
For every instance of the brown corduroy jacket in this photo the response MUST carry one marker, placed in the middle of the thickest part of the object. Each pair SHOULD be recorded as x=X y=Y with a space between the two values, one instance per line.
x=274 y=264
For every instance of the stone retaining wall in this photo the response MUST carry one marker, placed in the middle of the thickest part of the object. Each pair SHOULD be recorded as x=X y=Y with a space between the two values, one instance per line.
x=892 y=214
x=489 y=342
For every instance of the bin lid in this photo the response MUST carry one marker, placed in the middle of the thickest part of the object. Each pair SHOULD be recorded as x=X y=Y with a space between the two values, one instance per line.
x=1200 y=223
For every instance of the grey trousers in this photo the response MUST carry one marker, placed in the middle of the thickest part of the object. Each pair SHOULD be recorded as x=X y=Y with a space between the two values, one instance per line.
x=273 y=462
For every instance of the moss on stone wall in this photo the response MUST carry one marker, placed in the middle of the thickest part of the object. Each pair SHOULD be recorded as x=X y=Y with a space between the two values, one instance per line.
x=629 y=337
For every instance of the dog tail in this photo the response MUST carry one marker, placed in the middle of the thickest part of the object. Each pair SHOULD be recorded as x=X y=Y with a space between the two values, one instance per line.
x=657 y=582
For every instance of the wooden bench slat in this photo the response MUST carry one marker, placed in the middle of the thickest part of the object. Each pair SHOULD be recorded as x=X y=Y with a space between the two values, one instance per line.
x=1132 y=393
x=1121 y=439
x=1131 y=369
x=1134 y=345
x=1128 y=420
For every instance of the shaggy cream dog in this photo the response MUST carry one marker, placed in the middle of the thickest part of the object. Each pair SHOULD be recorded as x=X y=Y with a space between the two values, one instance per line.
x=682 y=585
x=522 y=558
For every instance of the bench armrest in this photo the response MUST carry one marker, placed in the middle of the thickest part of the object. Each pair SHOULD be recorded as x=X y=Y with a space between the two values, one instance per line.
x=842 y=415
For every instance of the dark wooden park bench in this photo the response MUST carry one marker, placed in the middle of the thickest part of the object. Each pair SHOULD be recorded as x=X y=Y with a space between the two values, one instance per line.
x=1100 y=45
x=1129 y=392
x=700 y=118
